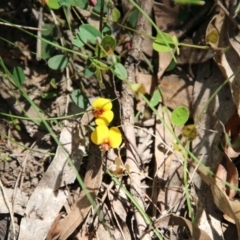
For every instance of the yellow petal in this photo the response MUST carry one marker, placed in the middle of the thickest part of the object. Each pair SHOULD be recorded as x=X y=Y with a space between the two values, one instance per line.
x=103 y=103
x=105 y=118
x=115 y=137
x=100 y=134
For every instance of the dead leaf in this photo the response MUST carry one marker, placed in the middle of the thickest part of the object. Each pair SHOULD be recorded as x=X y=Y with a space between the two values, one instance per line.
x=167 y=183
x=174 y=220
x=176 y=91
x=205 y=146
x=227 y=171
x=47 y=199
x=189 y=55
x=215 y=28
x=92 y=181
x=20 y=201
x=148 y=81
x=55 y=228
x=228 y=55
x=232 y=129
x=227 y=206
x=118 y=206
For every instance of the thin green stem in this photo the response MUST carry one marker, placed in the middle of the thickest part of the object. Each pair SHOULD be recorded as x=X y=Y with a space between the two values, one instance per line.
x=154 y=25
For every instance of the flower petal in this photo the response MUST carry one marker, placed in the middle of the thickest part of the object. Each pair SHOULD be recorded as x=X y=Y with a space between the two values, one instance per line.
x=100 y=134
x=115 y=137
x=105 y=118
x=103 y=103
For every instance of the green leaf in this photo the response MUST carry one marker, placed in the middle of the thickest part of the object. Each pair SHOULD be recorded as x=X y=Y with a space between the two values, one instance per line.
x=53 y=83
x=100 y=65
x=119 y=71
x=179 y=116
x=109 y=41
x=89 y=33
x=77 y=41
x=156 y=97
x=79 y=3
x=49 y=33
x=18 y=76
x=89 y=71
x=53 y=4
x=65 y=3
x=106 y=29
x=97 y=8
x=175 y=41
x=132 y=21
x=98 y=75
x=159 y=43
x=171 y=66
x=79 y=99
x=108 y=44
x=115 y=14
x=58 y=62
x=49 y=95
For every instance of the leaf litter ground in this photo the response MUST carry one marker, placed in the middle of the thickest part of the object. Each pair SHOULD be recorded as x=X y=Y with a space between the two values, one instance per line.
x=38 y=185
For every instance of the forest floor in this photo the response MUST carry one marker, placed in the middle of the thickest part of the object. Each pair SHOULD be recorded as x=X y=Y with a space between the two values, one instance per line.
x=119 y=120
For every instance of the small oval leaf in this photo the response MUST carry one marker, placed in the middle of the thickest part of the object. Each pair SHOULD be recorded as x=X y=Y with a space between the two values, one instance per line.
x=161 y=41
x=79 y=99
x=53 y=4
x=119 y=71
x=58 y=62
x=179 y=116
x=89 y=33
x=156 y=97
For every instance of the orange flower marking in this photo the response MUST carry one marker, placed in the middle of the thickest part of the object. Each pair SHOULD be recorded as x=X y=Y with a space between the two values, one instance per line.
x=107 y=138
x=97 y=112
x=102 y=111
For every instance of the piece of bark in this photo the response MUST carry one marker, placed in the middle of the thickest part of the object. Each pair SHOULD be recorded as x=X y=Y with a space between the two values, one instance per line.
x=127 y=115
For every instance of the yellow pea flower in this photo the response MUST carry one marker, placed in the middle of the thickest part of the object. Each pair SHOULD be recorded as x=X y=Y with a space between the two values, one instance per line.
x=102 y=111
x=107 y=138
